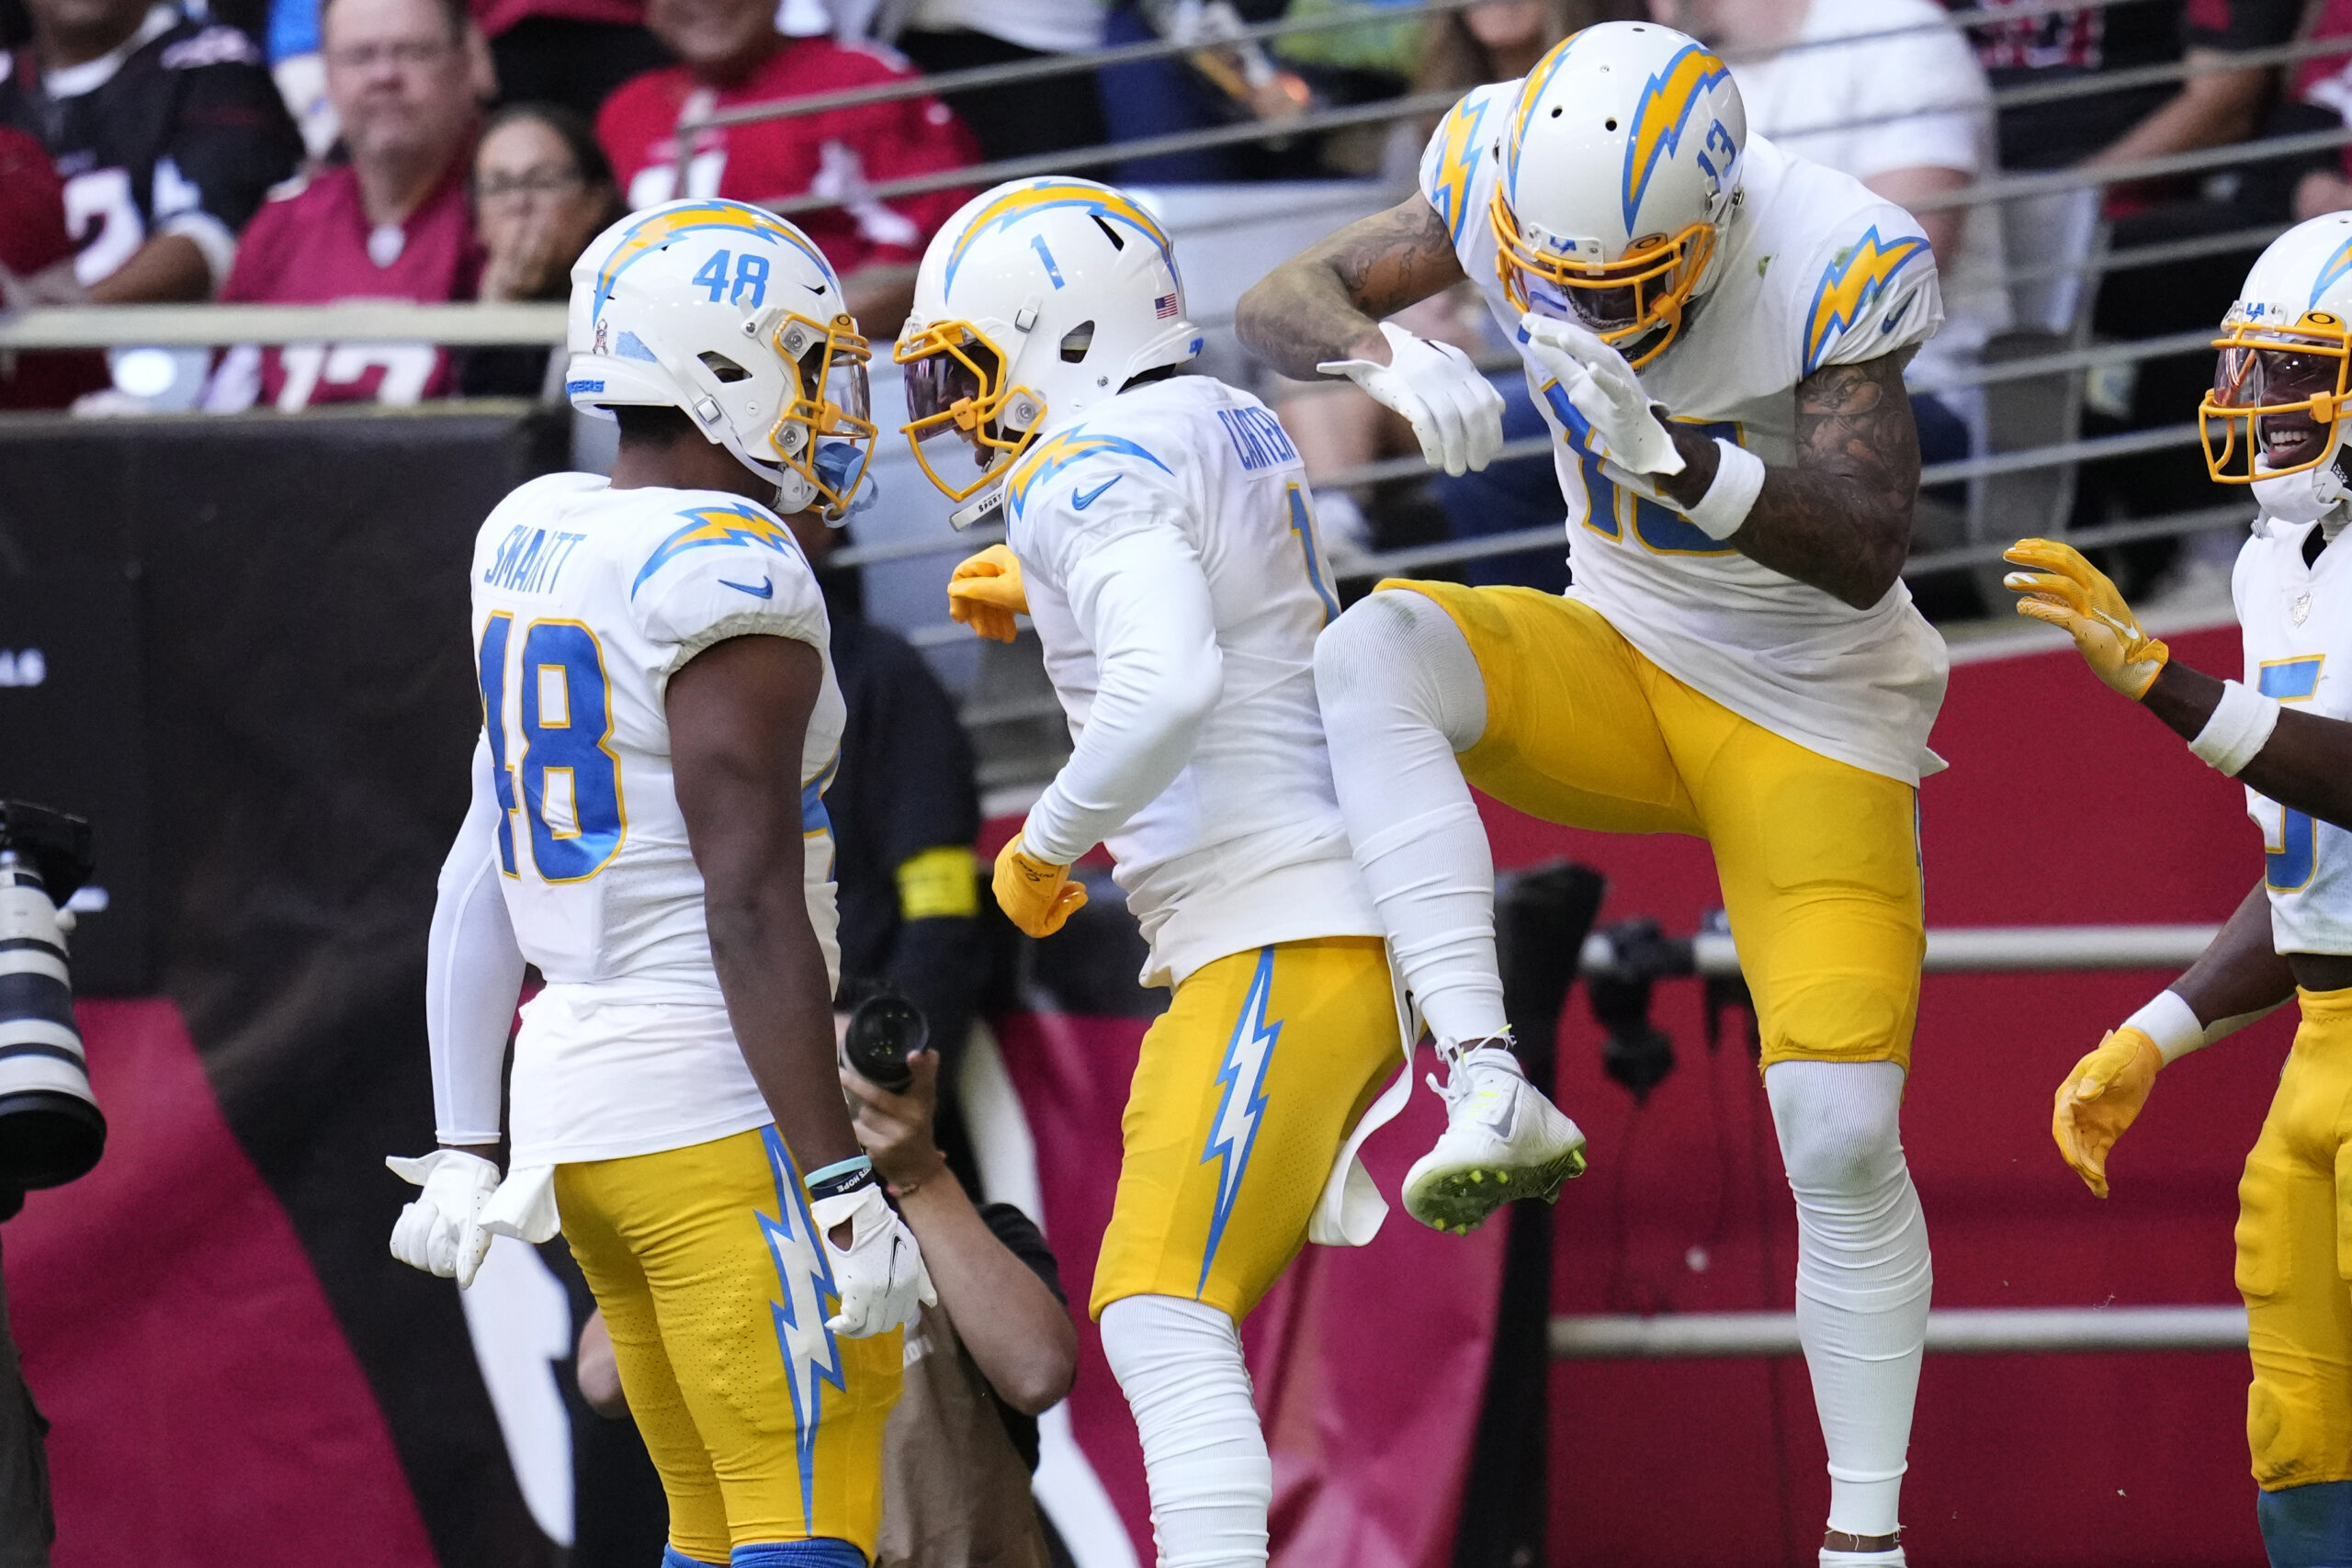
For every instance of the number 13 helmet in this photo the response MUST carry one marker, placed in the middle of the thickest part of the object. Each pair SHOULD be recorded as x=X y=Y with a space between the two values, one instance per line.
x=1619 y=171
x=733 y=316
x=1037 y=300
x=2275 y=417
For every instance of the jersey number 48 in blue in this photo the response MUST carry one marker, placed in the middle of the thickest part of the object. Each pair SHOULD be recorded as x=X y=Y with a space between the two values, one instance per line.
x=570 y=794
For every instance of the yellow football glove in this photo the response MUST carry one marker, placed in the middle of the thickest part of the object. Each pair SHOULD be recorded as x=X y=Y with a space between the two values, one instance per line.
x=985 y=592
x=2100 y=1098
x=2070 y=592
x=1036 y=895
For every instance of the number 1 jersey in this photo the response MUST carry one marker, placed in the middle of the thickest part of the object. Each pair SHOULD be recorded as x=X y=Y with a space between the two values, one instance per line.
x=586 y=600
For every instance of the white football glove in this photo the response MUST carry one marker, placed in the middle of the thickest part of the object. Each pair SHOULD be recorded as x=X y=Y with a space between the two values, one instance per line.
x=442 y=1232
x=1604 y=389
x=1454 y=409
x=880 y=1274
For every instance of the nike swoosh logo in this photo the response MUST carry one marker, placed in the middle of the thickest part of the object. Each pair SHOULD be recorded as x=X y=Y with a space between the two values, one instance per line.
x=814 y=288
x=1500 y=1125
x=1087 y=498
x=766 y=590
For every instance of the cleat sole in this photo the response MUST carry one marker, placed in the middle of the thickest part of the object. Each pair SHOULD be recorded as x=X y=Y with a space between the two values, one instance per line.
x=1460 y=1202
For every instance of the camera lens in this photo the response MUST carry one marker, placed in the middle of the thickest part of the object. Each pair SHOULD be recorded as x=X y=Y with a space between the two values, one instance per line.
x=50 y=1130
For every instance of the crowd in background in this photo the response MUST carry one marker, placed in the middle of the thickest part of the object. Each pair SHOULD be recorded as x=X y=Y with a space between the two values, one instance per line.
x=311 y=150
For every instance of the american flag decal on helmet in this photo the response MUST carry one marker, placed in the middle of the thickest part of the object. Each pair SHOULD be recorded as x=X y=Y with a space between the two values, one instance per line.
x=1164 y=307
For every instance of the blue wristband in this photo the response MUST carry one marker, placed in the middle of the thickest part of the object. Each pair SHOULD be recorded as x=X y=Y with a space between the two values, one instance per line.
x=842 y=1175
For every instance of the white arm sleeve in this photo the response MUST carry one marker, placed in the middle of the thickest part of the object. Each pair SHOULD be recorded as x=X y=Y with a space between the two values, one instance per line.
x=1143 y=601
x=473 y=972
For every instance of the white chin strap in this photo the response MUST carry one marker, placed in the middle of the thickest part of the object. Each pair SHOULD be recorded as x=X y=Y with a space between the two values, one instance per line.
x=2310 y=495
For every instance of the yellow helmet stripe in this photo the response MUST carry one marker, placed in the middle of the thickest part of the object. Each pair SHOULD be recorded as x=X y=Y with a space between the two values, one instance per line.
x=657 y=229
x=1048 y=193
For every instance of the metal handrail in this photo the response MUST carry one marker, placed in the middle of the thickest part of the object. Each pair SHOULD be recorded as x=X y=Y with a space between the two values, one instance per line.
x=1963 y=1331
x=1083 y=60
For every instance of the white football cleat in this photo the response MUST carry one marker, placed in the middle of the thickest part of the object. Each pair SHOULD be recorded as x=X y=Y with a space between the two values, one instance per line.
x=1503 y=1140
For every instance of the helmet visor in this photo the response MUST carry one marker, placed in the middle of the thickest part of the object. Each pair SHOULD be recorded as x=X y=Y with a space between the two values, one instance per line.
x=1636 y=303
x=825 y=431
x=957 y=407
x=2277 y=395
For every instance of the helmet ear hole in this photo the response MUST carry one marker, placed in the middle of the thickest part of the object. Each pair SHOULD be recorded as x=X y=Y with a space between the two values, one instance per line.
x=724 y=369
x=1076 y=341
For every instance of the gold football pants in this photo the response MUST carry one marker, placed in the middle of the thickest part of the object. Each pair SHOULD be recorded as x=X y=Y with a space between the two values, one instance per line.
x=2294 y=1263
x=1246 y=1089
x=766 y=1427
x=1819 y=860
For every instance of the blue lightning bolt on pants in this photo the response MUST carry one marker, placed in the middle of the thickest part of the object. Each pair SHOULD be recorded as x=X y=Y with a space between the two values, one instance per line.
x=765 y=1429
x=1246 y=1089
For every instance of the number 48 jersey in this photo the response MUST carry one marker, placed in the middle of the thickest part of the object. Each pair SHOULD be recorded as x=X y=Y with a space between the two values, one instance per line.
x=586 y=600
x=2297 y=623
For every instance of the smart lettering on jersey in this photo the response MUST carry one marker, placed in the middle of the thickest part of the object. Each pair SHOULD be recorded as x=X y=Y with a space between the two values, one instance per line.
x=1258 y=436
x=531 y=559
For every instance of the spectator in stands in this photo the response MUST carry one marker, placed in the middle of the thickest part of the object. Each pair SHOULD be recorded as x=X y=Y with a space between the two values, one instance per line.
x=392 y=223
x=731 y=55
x=573 y=53
x=36 y=268
x=998 y=1352
x=1021 y=117
x=2222 y=101
x=2319 y=99
x=1904 y=108
x=167 y=133
x=542 y=189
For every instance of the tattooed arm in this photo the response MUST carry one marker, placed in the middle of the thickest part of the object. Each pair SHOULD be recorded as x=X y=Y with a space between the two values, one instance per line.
x=1841 y=519
x=1327 y=302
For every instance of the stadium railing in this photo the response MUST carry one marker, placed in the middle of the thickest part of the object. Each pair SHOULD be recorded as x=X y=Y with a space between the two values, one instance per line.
x=1952 y=1330
x=482 y=324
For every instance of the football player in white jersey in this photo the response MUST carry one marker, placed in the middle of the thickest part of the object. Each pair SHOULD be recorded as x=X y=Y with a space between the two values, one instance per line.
x=1716 y=333
x=1159 y=533
x=2274 y=420
x=648 y=828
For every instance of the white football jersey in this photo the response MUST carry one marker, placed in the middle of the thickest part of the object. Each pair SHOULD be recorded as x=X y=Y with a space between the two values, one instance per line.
x=586 y=600
x=2294 y=619
x=1246 y=846
x=1815 y=271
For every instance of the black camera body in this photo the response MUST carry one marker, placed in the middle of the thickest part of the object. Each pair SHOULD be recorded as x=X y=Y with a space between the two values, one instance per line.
x=50 y=1128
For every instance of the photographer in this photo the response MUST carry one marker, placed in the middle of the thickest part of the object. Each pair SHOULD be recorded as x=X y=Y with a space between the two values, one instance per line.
x=997 y=1351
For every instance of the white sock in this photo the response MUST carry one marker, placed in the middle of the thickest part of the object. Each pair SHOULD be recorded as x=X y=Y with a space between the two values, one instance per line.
x=1862 y=1274
x=1179 y=1362
x=1401 y=693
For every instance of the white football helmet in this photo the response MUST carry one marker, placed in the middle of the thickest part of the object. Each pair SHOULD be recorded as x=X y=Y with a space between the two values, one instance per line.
x=733 y=315
x=1620 y=171
x=1034 y=302
x=2279 y=392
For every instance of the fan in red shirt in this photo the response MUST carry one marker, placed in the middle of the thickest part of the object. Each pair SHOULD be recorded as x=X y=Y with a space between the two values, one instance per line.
x=36 y=268
x=393 y=223
x=732 y=55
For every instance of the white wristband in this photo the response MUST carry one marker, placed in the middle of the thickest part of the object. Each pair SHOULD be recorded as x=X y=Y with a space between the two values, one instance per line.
x=1739 y=477
x=2240 y=727
x=2171 y=1023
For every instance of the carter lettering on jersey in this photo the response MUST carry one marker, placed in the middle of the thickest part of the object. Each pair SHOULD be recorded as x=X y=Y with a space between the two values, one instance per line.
x=1258 y=436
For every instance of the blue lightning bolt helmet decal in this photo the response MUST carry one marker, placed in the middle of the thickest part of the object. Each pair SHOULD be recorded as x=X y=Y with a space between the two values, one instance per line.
x=1243 y=1107
x=655 y=229
x=811 y=1356
x=1050 y=457
x=742 y=524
